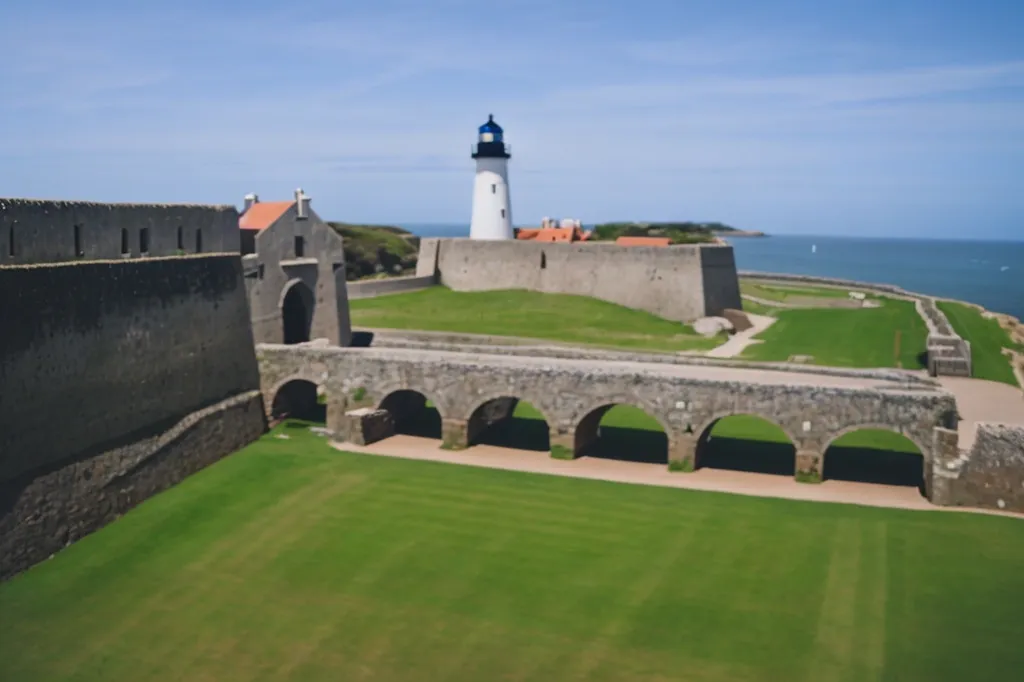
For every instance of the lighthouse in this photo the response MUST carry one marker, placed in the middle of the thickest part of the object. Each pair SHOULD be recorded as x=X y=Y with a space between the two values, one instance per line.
x=492 y=209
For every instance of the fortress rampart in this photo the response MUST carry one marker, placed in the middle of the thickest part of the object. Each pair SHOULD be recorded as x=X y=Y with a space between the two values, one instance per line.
x=680 y=283
x=39 y=231
x=118 y=377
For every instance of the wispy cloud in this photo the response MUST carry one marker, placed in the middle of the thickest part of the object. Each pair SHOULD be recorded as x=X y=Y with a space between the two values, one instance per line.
x=651 y=110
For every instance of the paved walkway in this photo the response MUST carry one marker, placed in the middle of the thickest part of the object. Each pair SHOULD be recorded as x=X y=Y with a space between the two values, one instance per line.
x=739 y=341
x=738 y=482
x=979 y=400
x=698 y=372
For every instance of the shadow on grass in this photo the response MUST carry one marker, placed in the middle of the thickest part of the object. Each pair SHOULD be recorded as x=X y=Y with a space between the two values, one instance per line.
x=734 y=454
x=516 y=432
x=629 y=445
x=869 y=465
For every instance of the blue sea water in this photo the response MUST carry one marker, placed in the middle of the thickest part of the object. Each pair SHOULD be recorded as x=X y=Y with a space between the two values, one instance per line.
x=988 y=273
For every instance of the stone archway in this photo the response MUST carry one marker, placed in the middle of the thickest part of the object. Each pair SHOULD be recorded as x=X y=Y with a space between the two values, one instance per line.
x=622 y=431
x=298 y=399
x=414 y=414
x=508 y=421
x=745 y=442
x=296 y=312
x=876 y=454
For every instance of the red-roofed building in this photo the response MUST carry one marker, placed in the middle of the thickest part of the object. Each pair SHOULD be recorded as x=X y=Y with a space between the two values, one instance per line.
x=294 y=268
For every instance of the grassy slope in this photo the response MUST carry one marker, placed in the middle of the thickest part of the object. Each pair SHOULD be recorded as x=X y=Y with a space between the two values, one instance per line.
x=782 y=292
x=846 y=338
x=987 y=340
x=557 y=317
x=293 y=561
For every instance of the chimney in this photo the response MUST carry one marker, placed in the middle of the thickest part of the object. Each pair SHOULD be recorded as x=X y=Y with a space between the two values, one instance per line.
x=302 y=204
x=250 y=199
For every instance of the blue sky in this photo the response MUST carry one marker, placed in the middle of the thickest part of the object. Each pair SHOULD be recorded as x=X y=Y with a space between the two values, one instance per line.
x=899 y=118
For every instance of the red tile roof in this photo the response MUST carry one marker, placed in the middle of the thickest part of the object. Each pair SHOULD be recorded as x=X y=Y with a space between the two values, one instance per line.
x=643 y=241
x=263 y=214
x=553 y=234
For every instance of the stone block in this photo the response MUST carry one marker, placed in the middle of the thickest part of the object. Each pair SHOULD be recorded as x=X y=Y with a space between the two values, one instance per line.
x=365 y=426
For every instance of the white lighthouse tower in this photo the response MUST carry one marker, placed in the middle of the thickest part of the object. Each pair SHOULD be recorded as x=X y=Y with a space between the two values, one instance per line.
x=492 y=209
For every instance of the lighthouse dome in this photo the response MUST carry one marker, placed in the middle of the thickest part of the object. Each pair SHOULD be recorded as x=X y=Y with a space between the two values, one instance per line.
x=491 y=131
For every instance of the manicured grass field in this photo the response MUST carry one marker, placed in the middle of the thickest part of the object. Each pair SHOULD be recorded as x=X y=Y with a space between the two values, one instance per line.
x=783 y=292
x=987 y=340
x=555 y=317
x=290 y=560
x=861 y=337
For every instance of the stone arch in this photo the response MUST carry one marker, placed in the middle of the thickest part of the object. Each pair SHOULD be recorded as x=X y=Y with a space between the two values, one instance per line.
x=297 y=398
x=740 y=452
x=880 y=459
x=411 y=414
x=621 y=442
x=492 y=422
x=296 y=306
x=305 y=374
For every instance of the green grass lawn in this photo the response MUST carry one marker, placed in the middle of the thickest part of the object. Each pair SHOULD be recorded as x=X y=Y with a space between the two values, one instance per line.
x=784 y=292
x=555 y=317
x=292 y=561
x=861 y=337
x=987 y=340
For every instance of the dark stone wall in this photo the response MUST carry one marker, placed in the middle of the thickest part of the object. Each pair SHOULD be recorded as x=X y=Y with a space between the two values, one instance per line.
x=118 y=379
x=39 y=231
x=97 y=355
x=43 y=511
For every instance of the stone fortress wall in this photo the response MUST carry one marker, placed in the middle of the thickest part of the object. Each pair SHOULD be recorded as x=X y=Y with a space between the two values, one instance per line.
x=949 y=354
x=40 y=231
x=681 y=283
x=119 y=376
x=473 y=390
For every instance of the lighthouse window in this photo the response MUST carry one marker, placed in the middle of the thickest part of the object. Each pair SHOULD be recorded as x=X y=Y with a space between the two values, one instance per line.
x=502 y=213
x=494 y=189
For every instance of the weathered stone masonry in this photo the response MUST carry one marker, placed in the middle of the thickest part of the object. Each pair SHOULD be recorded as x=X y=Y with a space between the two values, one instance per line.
x=678 y=283
x=570 y=393
x=120 y=376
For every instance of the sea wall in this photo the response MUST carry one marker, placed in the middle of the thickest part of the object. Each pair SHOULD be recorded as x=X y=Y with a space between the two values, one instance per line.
x=680 y=283
x=107 y=356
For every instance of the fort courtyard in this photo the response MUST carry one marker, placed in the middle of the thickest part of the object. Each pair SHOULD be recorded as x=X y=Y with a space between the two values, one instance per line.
x=223 y=458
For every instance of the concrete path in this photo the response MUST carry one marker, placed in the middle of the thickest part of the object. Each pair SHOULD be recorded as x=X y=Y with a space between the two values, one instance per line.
x=740 y=340
x=738 y=482
x=979 y=400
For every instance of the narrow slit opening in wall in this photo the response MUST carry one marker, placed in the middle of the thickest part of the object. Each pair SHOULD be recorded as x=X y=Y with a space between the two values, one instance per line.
x=259 y=271
x=300 y=247
x=124 y=241
x=79 y=251
x=144 y=240
x=181 y=239
x=199 y=240
x=494 y=189
x=543 y=260
x=502 y=213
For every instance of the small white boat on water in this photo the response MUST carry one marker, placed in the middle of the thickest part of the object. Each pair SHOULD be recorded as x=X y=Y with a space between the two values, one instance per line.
x=814 y=248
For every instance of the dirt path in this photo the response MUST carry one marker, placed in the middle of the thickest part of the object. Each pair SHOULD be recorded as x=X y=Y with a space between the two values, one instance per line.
x=740 y=340
x=742 y=483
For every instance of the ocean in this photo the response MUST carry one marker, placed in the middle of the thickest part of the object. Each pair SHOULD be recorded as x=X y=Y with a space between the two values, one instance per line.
x=989 y=273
